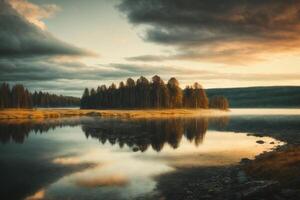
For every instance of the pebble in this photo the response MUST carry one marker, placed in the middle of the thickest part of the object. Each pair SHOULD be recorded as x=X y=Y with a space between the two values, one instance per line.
x=135 y=149
x=260 y=142
x=242 y=178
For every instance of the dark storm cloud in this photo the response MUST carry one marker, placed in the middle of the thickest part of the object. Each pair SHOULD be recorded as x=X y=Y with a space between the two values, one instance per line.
x=20 y=38
x=215 y=29
x=28 y=52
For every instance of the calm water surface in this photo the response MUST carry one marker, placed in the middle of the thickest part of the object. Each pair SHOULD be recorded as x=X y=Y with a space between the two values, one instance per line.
x=88 y=158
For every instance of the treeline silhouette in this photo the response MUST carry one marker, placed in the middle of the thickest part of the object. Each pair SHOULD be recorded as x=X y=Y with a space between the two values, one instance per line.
x=146 y=94
x=219 y=102
x=44 y=99
x=19 y=97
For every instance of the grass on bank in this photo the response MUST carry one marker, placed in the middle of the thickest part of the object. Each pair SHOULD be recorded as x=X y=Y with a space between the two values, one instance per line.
x=282 y=165
x=58 y=113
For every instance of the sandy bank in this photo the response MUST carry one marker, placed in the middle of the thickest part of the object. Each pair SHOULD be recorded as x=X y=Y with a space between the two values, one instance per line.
x=58 y=113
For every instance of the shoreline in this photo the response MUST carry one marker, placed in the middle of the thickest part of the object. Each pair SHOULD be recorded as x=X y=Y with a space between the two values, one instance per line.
x=8 y=114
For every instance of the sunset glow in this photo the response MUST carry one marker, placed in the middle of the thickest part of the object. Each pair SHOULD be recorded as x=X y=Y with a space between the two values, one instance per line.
x=68 y=45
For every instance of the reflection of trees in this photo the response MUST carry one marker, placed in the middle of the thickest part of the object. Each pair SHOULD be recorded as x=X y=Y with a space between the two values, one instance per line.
x=219 y=123
x=143 y=133
x=18 y=131
x=137 y=134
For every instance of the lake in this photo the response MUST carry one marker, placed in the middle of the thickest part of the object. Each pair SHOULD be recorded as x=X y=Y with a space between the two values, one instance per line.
x=95 y=158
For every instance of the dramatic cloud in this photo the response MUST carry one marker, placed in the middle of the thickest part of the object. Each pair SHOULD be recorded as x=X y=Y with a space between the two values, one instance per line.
x=21 y=38
x=31 y=55
x=34 y=13
x=230 y=31
x=61 y=77
x=47 y=70
x=208 y=30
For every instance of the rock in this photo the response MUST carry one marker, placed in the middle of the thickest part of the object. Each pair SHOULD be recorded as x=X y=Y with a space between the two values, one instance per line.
x=288 y=193
x=258 y=135
x=260 y=142
x=254 y=183
x=245 y=161
x=135 y=149
x=261 y=190
x=227 y=180
x=276 y=197
x=242 y=177
x=238 y=195
x=211 y=191
x=206 y=196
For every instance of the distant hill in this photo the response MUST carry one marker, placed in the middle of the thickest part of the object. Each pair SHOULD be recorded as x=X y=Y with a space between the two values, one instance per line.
x=260 y=97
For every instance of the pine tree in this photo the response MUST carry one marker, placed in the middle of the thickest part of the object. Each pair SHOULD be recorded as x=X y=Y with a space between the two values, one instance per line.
x=219 y=102
x=130 y=93
x=175 y=93
x=84 y=99
x=142 y=92
x=200 y=98
x=5 y=96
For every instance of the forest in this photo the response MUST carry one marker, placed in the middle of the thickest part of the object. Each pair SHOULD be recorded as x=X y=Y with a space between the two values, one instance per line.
x=20 y=97
x=140 y=94
x=150 y=94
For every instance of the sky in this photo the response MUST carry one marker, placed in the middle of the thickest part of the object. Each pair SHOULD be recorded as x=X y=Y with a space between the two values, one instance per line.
x=63 y=46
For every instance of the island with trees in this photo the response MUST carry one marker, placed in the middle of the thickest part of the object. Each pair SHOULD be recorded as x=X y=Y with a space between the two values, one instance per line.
x=145 y=94
x=134 y=99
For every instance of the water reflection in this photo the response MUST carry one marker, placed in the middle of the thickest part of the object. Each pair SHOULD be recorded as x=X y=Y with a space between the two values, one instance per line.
x=142 y=134
x=138 y=134
x=18 y=130
x=86 y=158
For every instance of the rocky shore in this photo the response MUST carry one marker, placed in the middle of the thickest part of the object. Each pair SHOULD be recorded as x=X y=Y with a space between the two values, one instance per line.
x=271 y=175
x=229 y=183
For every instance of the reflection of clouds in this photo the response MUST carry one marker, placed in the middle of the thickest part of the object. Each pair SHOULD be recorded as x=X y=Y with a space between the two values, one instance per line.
x=121 y=173
x=118 y=173
x=67 y=160
x=219 y=149
x=112 y=180
x=37 y=196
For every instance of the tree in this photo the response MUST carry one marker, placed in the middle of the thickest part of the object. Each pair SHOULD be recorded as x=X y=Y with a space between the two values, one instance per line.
x=5 y=96
x=200 y=98
x=92 y=99
x=219 y=102
x=142 y=92
x=175 y=93
x=159 y=92
x=85 y=99
x=187 y=97
x=112 y=93
x=20 y=97
x=121 y=95
x=130 y=93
